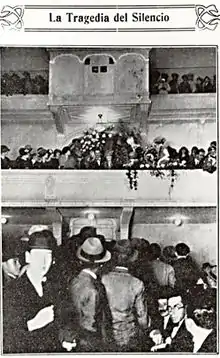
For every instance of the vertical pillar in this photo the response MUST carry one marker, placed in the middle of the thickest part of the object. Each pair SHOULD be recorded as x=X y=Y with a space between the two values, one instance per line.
x=125 y=219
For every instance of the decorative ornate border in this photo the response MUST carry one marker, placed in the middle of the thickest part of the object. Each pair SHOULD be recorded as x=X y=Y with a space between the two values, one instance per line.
x=11 y=17
x=207 y=17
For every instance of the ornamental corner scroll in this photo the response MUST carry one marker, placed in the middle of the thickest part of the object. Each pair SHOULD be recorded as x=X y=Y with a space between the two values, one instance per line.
x=208 y=17
x=11 y=17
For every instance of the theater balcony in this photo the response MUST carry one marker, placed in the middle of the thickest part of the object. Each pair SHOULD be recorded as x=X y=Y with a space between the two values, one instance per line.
x=69 y=188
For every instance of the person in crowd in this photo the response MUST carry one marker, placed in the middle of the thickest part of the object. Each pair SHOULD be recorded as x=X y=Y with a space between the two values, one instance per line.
x=127 y=301
x=207 y=85
x=162 y=151
x=88 y=296
x=11 y=265
x=5 y=161
x=30 y=304
x=163 y=85
x=186 y=272
x=184 y=86
x=23 y=161
x=27 y=83
x=163 y=273
x=55 y=159
x=183 y=157
x=66 y=159
x=214 y=84
x=210 y=160
x=199 y=159
x=193 y=156
x=199 y=86
x=36 y=164
x=169 y=254
x=209 y=275
x=177 y=336
x=201 y=322
x=174 y=84
x=191 y=82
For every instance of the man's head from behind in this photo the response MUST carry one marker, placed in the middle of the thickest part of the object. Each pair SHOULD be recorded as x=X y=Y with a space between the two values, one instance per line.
x=11 y=252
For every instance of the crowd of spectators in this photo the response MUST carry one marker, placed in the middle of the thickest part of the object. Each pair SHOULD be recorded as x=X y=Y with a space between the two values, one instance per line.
x=122 y=154
x=93 y=295
x=25 y=83
x=161 y=83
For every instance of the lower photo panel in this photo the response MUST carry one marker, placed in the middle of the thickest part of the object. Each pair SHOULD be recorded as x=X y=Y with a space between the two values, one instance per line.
x=109 y=279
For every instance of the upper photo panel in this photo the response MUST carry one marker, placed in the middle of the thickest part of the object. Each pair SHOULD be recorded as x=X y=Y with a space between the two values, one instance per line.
x=139 y=108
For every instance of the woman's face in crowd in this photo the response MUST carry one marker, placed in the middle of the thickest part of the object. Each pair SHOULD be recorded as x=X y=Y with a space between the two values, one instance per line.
x=40 y=261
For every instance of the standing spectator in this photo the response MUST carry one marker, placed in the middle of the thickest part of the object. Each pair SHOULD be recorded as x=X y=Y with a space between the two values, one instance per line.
x=186 y=272
x=199 y=86
x=183 y=157
x=207 y=85
x=126 y=296
x=184 y=86
x=193 y=156
x=163 y=273
x=55 y=159
x=191 y=82
x=5 y=161
x=29 y=306
x=163 y=85
x=174 y=83
x=88 y=296
x=23 y=161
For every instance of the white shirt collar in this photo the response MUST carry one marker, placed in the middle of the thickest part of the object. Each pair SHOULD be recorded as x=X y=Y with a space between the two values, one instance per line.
x=91 y=273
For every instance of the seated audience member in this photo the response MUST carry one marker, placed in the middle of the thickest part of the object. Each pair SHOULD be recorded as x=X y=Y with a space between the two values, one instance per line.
x=199 y=159
x=199 y=86
x=23 y=161
x=163 y=273
x=88 y=297
x=192 y=158
x=186 y=272
x=191 y=82
x=30 y=307
x=55 y=159
x=5 y=161
x=163 y=85
x=207 y=85
x=126 y=297
x=183 y=157
x=201 y=322
x=214 y=84
x=11 y=265
x=66 y=159
x=184 y=86
x=174 y=83
x=210 y=161
x=169 y=254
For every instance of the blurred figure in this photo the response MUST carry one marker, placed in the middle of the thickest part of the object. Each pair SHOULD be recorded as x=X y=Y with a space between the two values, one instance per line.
x=23 y=161
x=169 y=254
x=183 y=157
x=201 y=322
x=199 y=86
x=184 y=86
x=5 y=161
x=174 y=83
x=163 y=85
x=192 y=82
x=207 y=85
x=193 y=156
x=163 y=273
x=186 y=272
x=11 y=265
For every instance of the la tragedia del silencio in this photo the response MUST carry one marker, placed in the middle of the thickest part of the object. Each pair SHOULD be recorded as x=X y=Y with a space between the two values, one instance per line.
x=100 y=17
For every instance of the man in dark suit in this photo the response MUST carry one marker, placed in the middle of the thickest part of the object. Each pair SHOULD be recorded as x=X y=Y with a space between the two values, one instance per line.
x=179 y=338
x=5 y=161
x=88 y=296
x=29 y=303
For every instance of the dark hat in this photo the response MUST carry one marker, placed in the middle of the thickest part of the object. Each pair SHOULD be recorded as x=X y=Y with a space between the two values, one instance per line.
x=41 y=152
x=175 y=75
x=213 y=144
x=42 y=240
x=125 y=252
x=28 y=147
x=164 y=76
x=185 y=77
x=93 y=251
x=4 y=149
x=23 y=151
x=199 y=79
x=159 y=140
x=85 y=232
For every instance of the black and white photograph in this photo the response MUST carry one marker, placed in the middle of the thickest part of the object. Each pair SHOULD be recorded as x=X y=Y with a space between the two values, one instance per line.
x=109 y=198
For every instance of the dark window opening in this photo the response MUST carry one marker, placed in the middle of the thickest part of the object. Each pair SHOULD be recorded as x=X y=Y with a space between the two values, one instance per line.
x=87 y=61
x=95 y=69
x=103 y=69
x=111 y=61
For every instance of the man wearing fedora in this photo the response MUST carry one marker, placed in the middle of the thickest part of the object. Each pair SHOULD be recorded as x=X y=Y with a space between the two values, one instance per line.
x=88 y=295
x=126 y=296
x=29 y=306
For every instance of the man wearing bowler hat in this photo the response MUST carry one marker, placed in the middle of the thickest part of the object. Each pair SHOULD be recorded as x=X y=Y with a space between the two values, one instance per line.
x=88 y=295
x=29 y=302
x=126 y=298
